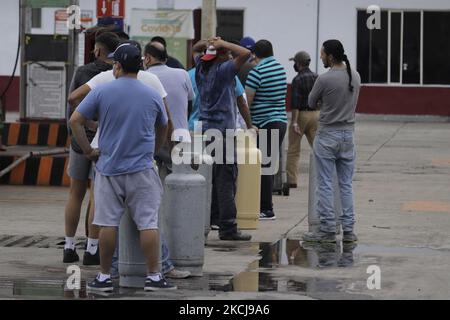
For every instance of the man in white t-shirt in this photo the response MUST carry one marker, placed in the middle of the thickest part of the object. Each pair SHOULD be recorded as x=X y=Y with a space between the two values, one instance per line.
x=107 y=76
x=152 y=81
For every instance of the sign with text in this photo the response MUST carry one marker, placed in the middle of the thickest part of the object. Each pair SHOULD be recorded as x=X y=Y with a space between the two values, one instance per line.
x=61 y=17
x=46 y=90
x=87 y=18
x=164 y=23
x=111 y=8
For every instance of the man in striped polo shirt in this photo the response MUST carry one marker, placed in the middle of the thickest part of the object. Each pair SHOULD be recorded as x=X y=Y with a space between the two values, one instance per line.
x=266 y=88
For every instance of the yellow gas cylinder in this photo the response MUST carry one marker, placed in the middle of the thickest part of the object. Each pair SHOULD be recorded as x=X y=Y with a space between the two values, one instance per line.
x=249 y=180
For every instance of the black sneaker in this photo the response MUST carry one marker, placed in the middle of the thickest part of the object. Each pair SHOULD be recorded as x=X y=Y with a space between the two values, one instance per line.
x=101 y=286
x=91 y=259
x=320 y=237
x=162 y=284
x=70 y=256
x=347 y=259
x=349 y=236
x=235 y=236
x=267 y=215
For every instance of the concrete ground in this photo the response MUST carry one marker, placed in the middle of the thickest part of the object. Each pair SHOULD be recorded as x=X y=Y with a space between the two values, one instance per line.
x=402 y=202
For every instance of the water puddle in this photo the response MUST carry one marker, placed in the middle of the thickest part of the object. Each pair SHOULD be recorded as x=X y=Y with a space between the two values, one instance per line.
x=258 y=277
x=42 y=289
x=307 y=255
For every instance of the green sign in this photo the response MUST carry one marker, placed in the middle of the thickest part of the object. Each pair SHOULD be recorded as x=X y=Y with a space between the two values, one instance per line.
x=177 y=47
x=48 y=3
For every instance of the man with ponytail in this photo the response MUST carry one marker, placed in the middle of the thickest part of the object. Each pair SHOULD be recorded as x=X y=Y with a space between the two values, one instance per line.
x=338 y=89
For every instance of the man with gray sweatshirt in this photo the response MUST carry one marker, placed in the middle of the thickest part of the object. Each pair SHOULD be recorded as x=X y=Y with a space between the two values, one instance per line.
x=338 y=89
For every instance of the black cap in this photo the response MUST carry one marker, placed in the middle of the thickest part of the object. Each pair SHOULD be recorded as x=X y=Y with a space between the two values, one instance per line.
x=128 y=55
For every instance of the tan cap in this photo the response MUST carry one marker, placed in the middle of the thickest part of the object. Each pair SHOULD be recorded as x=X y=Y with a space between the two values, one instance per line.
x=301 y=56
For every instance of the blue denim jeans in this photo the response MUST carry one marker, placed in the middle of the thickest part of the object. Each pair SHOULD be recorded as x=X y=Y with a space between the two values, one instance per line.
x=115 y=259
x=167 y=265
x=334 y=150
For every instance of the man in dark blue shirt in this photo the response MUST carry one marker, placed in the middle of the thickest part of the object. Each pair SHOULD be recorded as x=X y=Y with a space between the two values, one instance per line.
x=215 y=74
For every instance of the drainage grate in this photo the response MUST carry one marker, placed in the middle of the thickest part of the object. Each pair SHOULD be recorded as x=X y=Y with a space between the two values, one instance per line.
x=22 y=241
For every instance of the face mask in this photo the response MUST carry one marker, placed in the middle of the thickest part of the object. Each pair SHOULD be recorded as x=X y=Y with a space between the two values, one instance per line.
x=295 y=68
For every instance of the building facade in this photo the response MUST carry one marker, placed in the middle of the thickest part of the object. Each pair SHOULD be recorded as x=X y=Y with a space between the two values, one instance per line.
x=402 y=64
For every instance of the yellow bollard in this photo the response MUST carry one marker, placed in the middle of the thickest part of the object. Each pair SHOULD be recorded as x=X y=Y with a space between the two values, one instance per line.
x=249 y=180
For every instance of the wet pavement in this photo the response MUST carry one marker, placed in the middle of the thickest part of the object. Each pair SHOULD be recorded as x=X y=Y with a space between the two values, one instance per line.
x=402 y=201
x=256 y=278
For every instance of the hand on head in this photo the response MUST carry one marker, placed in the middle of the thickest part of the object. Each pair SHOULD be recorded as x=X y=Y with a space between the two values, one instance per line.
x=216 y=42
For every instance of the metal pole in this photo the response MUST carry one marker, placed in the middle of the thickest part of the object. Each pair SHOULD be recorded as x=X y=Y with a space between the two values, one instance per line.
x=317 y=36
x=72 y=44
x=14 y=164
x=24 y=28
x=32 y=154
x=209 y=19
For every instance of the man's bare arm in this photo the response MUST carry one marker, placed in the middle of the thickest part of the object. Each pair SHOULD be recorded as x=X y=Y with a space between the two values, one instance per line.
x=161 y=136
x=250 y=96
x=244 y=111
x=199 y=47
x=77 y=95
x=294 y=121
x=170 y=128
x=77 y=122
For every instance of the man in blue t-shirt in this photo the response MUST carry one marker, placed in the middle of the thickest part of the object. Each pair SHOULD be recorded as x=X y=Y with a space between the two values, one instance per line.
x=132 y=126
x=215 y=79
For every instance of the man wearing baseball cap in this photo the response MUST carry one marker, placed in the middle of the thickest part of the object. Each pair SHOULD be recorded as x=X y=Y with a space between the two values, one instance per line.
x=215 y=74
x=132 y=125
x=248 y=43
x=304 y=118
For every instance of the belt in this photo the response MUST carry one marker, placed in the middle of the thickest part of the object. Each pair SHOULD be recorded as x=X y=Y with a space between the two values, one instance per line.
x=308 y=109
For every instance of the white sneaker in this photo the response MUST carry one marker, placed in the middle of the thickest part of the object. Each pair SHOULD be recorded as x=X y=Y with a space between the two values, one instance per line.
x=177 y=274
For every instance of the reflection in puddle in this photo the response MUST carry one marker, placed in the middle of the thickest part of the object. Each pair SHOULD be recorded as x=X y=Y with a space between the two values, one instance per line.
x=308 y=255
x=253 y=281
x=285 y=252
x=249 y=281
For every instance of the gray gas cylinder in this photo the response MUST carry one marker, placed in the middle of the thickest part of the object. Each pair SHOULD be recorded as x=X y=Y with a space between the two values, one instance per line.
x=205 y=169
x=184 y=217
x=132 y=267
x=313 y=217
